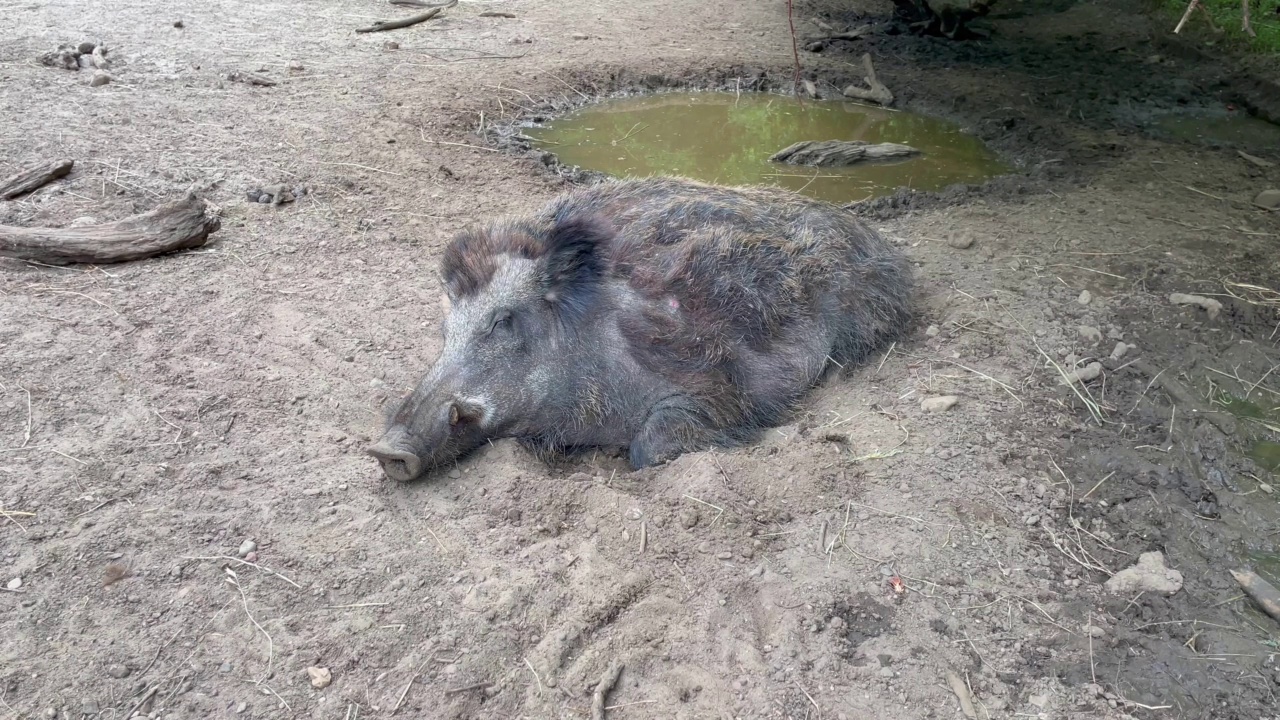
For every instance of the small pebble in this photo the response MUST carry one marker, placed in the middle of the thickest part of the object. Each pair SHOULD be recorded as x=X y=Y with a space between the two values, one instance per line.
x=1269 y=199
x=86 y=48
x=85 y=62
x=264 y=198
x=118 y=671
x=51 y=712
x=225 y=667
x=100 y=78
x=14 y=584
x=254 y=195
x=725 y=555
x=1089 y=333
x=886 y=672
x=1119 y=352
x=580 y=36
x=455 y=473
x=251 y=557
x=240 y=708
x=299 y=190
x=320 y=677
x=960 y=240
x=1092 y=371
x=932 y=331
x=247 y=547
x=178 y=24
x=89 y=707
x=391 y=45
x=1085 y=297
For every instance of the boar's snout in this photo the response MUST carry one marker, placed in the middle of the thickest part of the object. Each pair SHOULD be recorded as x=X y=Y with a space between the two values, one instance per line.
x=398 y=462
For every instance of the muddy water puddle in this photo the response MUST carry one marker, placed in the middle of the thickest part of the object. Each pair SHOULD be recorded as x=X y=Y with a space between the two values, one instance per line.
x=1265 y=419
x=728 y=138
x=1220 y=127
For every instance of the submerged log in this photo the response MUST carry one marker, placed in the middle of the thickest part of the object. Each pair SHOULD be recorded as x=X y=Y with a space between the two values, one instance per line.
x=839 y=152
x=177 y=225
x=34 y=178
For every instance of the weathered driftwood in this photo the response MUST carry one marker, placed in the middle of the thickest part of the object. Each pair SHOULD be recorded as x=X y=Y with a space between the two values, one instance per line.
x=381 y=25
x=1262 y=592
x=839 y=152
x=177 y=225
x=875 y=91
x=34 y=178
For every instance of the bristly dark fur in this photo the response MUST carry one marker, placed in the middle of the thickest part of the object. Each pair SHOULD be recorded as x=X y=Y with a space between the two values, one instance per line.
x=697 y=315
x=575 y=264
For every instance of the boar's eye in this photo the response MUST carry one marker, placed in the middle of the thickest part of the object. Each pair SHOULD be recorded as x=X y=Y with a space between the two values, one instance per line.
x=501 y=320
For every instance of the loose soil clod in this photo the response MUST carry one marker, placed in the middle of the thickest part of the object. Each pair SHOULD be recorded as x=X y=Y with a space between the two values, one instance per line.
x=177 y=225
x=34 y=178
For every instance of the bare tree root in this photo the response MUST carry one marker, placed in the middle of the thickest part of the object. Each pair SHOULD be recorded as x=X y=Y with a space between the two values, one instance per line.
x=177 y=225
x=876 y=92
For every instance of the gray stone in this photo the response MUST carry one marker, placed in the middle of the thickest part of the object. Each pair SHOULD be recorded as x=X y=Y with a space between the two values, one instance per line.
x=1269 y=199
x=1149 y=575
x=939 y=404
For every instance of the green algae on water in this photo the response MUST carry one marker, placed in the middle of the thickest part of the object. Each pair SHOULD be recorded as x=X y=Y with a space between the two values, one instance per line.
x=727 y=139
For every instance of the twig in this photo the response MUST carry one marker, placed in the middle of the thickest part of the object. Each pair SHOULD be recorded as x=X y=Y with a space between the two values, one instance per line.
x=468 y=688
x=1095 y=487
x=356 y=165
x=562 y=82
x=26 y=437
x=535 y=675
x=720 y=510
x=234 y=580
x=644 y=536
x=607 y=681
x=355 y=605
x=795 y=53
x=1245 y=27
x=812 y=702
x=1191 y=6
x=242 y=562
x=381 y=25
x=145 y=699
x=405 y=692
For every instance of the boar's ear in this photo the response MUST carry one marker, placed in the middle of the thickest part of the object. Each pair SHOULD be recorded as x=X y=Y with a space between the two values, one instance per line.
x=574 y=261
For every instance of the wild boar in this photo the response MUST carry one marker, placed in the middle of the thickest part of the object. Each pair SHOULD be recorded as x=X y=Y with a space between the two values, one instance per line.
x=659 y=316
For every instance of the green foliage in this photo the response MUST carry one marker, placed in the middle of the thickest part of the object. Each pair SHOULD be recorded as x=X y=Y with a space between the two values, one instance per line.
x=1227 y=15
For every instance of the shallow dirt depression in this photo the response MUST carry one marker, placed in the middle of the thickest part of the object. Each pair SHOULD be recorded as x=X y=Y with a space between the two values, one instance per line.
x=166 y=421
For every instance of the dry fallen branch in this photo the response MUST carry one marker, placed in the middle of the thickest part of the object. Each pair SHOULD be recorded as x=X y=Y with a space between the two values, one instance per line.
x=820 y=44
x=839 y=152
x=34 y=178
x=177 y=225
x=381 y=25
x=1262 y=592
x=877 y=93
x=607 y=681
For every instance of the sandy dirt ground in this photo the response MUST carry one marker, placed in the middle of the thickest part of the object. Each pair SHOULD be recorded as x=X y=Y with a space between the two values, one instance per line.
x=163 y=420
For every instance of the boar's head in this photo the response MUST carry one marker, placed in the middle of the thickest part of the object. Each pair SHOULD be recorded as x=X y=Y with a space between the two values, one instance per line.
x=517 y=295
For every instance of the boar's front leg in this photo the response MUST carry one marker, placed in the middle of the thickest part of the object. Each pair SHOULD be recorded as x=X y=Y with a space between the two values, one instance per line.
x=674 y=426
